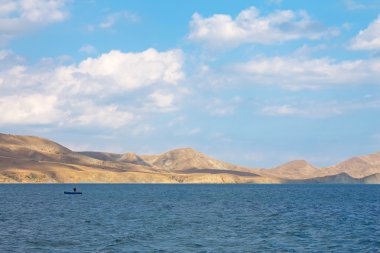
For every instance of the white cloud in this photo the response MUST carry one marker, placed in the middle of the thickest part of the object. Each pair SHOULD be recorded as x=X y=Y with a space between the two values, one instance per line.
x=301 y=73
x=29 y=109
x=222 y=107
x=109 y=116
x=347 y=26
x=318 y=109
x=177 y=121
x=7 y=7
x=376 y=137
x=194 y=131
x=306 y=50
x=21 y=16
x=223 y=31
x=117 y=71
x=280 y=110
x=143 y=130
x=42 y=10
x=88 y=49
x=112 y=18
x=274 y=1
x=106 y=91
x=354 y=5
x=17 y=78
x=162 y=100
x=369 y=38
x=4 y=54
x=188 y=132
x=9 y=59
x=313 y=110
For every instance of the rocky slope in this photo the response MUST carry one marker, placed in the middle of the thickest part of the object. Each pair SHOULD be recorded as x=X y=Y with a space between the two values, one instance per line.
x=29 y=159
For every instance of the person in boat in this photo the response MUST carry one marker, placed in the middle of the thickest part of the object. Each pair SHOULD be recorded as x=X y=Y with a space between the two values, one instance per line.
x=75 y=189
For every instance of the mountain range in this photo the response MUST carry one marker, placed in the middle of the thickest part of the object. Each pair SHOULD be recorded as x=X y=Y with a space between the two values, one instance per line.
x=29 y=159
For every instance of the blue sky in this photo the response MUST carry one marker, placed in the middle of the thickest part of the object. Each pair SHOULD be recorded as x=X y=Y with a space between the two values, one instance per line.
x=256 y=83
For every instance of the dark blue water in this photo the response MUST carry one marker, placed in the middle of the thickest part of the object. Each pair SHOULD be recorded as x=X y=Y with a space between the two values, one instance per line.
x=190 y=218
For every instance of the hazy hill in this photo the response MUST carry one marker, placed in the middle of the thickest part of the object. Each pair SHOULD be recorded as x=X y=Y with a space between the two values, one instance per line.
x=361 y=166
x=188 y=160
x=122 y=158
x=38 y=160
x=342 y=178
x=298 y=169
x=372 y=179
x=358 y=167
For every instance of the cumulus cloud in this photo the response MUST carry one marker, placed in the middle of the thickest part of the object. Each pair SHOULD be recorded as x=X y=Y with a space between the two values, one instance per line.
x=18 y=17
x=223 y=31
x=369 y=38
x=9 y=59
x=109 y=116
x=29 y=109
x=105 y=91
x=117 y=71
x=162 y=100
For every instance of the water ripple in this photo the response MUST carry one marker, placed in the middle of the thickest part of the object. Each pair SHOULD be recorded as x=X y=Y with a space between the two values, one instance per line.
x=190 y=218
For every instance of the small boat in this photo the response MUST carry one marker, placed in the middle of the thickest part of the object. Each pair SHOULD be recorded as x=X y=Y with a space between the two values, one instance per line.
x=72 y=192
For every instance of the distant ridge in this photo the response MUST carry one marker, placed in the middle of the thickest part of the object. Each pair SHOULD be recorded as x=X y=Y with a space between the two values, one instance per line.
x=109 y=157
x=30 y=159
x=298 y=169
x=185 y=159
x=342 y=178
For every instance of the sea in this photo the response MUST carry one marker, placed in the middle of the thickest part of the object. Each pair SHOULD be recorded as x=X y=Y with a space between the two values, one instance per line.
x=189 y=218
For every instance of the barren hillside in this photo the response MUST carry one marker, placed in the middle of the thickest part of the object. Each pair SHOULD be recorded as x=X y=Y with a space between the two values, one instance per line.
x=29 y=159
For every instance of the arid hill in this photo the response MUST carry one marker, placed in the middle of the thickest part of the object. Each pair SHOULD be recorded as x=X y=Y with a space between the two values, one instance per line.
x=357 y=167
x=188 y=160
x=32 y=159
x=29 y=159
x=298 y=169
